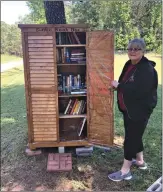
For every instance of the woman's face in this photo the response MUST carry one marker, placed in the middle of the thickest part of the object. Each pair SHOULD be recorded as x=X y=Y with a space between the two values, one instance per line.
x=135 y=53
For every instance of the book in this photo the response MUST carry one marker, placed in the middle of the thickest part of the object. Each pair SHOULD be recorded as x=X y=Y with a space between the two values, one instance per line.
x=78 y=81
x=77 y=54
x=65 y=112
x=81 y=106
x=60 y=40
x=75 y=82
x=70 y=38
x=72 y=111
x=84 y=108
x=67 y=56
x=76 y=37
x=70 y=55
x=77 y=58
x=81 y=126
x=72 y=84
x=76 y=112
x=68 y=84
x=77 y=92
x=70 y=107
x=82 y=37
x=70 y=81
x=76 y=107
x=59 y=55
x=62 y=51
x=60 y=87
x=64 y=84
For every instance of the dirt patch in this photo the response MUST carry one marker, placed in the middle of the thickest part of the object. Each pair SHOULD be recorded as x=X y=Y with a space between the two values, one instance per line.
x=88 y=174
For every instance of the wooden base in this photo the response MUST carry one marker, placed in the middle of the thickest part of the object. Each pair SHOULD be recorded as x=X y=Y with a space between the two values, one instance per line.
x=33 y=146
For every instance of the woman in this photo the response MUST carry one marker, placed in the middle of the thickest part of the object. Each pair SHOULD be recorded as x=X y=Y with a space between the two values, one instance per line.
x=137 y=97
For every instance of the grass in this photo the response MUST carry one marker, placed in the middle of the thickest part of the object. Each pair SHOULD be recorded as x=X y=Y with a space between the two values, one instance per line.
x=121 y=59
x=20 y=172
x=9 y=58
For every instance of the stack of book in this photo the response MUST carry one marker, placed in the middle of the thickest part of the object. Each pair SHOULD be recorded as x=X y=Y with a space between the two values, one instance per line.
x=78 y=91
x=77 y=56
x=71 y=83
x=75 y=107
x=69 y=55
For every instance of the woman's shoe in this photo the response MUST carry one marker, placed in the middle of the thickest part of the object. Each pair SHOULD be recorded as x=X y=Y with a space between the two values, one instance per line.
x=117 y=176
x=142 y=166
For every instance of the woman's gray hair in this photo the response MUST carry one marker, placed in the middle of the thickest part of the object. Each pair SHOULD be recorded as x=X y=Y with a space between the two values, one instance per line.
x=137 y=43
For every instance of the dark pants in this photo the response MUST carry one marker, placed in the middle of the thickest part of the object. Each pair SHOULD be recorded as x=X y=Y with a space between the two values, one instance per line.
x=133 y=136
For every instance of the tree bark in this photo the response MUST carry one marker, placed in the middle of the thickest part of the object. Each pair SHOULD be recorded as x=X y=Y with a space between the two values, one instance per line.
x=54 y=11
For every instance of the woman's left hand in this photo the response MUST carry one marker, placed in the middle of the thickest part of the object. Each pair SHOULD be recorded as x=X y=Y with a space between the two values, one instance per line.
x=114 y=84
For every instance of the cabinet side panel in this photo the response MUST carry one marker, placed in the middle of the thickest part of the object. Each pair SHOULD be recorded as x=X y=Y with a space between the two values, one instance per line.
x=56 y=79
x=27 y=85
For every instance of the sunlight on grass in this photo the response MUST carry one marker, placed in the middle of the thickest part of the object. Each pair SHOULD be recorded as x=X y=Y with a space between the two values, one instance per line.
x=7 y=120
x=12 y=77
x=120 y=60
x=9 y=58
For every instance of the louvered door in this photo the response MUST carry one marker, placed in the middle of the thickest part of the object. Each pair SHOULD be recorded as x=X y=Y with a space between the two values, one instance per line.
x=41 y=86
x=100 y=72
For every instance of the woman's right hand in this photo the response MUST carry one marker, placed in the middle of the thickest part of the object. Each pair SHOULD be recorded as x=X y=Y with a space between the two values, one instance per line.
x=115 y=84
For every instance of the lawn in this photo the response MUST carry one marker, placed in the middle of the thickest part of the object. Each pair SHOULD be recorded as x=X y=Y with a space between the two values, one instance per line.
x=20 y=172
x=9 y=58
x=121 y=59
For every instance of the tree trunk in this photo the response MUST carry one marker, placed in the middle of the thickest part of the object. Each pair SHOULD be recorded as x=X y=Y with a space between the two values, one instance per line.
x=54 y=11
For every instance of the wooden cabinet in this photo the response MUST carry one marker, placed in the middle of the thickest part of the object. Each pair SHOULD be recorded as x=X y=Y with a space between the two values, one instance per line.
x=68 y=70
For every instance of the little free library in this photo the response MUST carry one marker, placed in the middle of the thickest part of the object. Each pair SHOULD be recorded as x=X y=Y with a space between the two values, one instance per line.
x=68 y=71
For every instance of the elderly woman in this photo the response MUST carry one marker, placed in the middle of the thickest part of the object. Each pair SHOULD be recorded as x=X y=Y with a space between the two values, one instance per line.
x=137 y=97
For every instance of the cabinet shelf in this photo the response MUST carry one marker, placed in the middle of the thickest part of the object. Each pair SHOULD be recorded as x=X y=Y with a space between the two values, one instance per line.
x=69 y=95
x=72 y=116
x=75 y=64
x=72 y=45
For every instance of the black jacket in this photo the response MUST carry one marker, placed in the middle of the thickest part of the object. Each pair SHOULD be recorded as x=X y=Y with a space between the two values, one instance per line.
x=140 y=89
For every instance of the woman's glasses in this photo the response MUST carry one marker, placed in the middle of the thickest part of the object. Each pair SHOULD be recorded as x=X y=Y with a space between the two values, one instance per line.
x=133 y=49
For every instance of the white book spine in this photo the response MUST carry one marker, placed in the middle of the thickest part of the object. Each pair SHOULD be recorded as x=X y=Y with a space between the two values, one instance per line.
x=67 y=107
x=84 y=120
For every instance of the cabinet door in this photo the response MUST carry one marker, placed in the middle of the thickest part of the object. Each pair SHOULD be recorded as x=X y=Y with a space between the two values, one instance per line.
x=41 y=86
x=100 y=72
